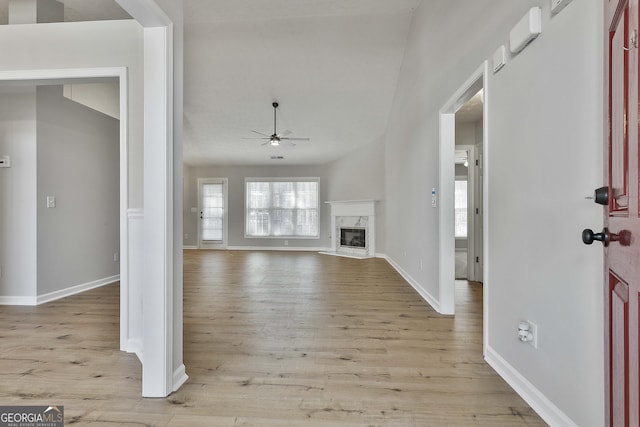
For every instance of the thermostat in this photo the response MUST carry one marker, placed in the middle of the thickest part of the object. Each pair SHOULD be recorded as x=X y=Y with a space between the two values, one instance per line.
x=5 y=162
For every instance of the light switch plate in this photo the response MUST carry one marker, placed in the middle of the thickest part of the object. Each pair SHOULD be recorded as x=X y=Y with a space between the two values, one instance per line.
x=558 y=5
x=499 y=58
x=51 y=201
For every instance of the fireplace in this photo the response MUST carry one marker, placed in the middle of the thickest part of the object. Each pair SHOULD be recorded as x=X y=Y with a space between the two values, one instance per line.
x=353 y=225
x=353 y=237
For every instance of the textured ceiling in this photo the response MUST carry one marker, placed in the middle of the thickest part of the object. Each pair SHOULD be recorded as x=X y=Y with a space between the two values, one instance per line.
x=332 y=65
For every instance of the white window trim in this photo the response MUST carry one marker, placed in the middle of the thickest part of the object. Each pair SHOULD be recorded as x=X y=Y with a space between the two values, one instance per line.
x=281 y=179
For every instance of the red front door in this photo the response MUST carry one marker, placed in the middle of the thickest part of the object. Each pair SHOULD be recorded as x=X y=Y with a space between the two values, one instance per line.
x=622 y=218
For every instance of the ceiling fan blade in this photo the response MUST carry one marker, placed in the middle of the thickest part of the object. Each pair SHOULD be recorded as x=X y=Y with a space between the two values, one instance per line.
x=265 y=143
x=260 y=133
x=285 y=133
x=255 y=137
x=296 y=139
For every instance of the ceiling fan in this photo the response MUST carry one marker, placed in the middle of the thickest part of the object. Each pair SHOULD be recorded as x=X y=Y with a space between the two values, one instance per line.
x=276 y=139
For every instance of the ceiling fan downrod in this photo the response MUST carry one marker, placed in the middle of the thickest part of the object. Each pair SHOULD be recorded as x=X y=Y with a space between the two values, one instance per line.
x=275 y=127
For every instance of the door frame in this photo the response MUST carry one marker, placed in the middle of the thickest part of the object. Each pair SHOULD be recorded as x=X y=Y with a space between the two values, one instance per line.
x=446 y=241
x=225 y=221
x=87 y=75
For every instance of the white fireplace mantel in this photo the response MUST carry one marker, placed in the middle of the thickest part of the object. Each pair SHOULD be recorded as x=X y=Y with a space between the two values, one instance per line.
x=345 y=210
x=353 y=207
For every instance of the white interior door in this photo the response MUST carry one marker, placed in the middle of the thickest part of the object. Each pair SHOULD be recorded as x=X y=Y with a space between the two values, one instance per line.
x=212 y=207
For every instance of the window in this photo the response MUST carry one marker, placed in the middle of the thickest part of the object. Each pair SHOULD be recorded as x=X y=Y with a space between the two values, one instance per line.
x=279 y=208
x=461 y=208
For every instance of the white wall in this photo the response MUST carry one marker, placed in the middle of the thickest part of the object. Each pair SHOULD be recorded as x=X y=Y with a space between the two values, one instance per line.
x=86 y=45
x=18 y=195
x=237 y=175
x=78 y=152
x=358 y=176
x=544 y=113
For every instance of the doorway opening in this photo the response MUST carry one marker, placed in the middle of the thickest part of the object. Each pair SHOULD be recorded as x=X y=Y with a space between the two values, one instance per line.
x=117 y=76
x=468 y=189
x=463 y=136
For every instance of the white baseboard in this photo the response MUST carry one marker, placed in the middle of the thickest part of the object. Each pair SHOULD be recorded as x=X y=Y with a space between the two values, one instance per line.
x=277 y=248
x=549 y=412
x=433 y=302
x=189 y=247
x=18 y=301
x=179 y=377
x=51 y=296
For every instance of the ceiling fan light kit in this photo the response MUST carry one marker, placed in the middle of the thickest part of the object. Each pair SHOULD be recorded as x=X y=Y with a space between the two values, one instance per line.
x=276 y=139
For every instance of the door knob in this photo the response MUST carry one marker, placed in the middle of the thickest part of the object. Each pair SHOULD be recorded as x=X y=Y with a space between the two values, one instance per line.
x=601 y=196
x=623 y=237
x=588 y=236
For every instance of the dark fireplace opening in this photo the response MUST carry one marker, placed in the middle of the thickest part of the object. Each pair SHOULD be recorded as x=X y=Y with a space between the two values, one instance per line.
x=353 y=237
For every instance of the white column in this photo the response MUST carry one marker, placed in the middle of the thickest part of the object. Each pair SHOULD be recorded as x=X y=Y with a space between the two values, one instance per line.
x=157 y=318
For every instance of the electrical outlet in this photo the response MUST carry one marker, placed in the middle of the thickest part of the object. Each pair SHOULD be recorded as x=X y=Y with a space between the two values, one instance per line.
x=420 y=265
x=186 y=236
x=116 y=257
x=51 y=202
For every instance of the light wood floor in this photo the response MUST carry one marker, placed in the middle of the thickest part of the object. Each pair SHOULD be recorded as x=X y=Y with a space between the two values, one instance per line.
x=272 y=339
